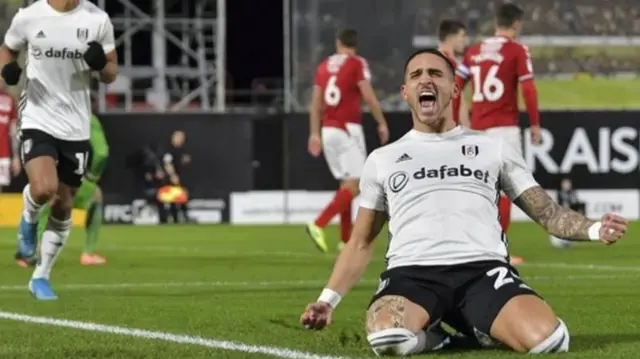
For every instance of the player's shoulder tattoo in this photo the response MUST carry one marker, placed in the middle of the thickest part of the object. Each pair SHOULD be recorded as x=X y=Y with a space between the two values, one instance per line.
x=557 y=220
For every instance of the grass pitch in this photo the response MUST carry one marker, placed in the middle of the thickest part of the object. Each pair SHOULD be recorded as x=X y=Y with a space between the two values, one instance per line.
x=588 y=94
x=248 y=285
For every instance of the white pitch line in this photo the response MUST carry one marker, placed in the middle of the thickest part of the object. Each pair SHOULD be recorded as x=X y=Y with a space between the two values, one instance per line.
x=264 y=284
x=167 y=337
x=596 y=267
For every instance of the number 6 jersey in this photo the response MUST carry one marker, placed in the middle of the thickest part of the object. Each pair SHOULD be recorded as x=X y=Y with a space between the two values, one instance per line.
x=337 y=78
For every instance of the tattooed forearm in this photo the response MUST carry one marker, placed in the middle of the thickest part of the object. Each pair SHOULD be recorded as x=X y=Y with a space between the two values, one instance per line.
x=386 y=312
x=555 y=219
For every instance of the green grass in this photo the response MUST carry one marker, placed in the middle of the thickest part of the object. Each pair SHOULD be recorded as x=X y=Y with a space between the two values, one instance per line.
x=203 y=287
x=610 y=94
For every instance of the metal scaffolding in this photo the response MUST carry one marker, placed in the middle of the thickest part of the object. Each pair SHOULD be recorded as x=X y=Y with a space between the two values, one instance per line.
x=200 y=34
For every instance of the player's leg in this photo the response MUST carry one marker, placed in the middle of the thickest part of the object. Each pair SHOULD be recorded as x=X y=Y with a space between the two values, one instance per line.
x=39 y=155
x=500 y=306
x=5 y=172
x=71 y=167
x=400 y=311
x=89 y=198
x=345 y=162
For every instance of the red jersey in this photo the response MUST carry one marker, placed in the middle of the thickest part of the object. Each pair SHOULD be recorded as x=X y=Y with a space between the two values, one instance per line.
x=8 y=114
x=495 y=66
x=338 y=77
x=454 y=104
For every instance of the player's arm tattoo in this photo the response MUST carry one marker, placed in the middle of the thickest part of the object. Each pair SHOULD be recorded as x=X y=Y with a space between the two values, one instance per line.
x=557 y=220
x=385 y=313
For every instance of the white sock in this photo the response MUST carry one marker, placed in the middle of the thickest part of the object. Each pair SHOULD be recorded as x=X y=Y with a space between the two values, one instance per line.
x=32 y=210
x=53 y=239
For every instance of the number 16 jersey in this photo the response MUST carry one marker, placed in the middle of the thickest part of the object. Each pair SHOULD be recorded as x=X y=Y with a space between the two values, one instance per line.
x=337 y=77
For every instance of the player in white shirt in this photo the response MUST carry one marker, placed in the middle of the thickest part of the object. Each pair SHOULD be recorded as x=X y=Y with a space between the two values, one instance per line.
x=438 y=187
x=66 y=42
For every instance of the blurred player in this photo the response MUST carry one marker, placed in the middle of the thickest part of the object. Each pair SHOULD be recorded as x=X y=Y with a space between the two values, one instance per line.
x=495 y=66
x=447 y=257
x=67 y=41
x=88 y=197
x=342 y=81
x=9 y=158
x=453 y=40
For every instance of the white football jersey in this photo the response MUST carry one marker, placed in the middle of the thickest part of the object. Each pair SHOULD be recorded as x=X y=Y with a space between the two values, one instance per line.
x=441 y=193
x=56 y=96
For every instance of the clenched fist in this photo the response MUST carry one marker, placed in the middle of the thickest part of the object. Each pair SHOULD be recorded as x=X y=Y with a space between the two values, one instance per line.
x=316 y=316
x=613 y=228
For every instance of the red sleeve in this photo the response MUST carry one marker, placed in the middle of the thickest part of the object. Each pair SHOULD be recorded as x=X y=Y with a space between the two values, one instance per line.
x=524 y=71
x=462 y=71
x=524 y=66
x=362 y=72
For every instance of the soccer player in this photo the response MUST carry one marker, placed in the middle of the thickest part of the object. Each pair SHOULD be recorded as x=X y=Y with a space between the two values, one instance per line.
x=9 y=158
x=453 y=40
x=495 y=66
x=447 y=256
x=67 y=41
x=341 y=82
x=88 y=197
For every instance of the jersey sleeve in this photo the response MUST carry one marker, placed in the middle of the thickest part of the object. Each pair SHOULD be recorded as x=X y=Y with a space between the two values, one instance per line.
x=107 y=38
x=515 y=176
x=462 y=70
x=363 y=73
x=371 y=187
x=16 y=37
x=524 y=65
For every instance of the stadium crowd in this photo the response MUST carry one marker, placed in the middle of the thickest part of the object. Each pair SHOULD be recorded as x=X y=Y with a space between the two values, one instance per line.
x=391 y=27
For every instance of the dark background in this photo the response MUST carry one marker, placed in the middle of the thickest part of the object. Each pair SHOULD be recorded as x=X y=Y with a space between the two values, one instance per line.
x=254 y=39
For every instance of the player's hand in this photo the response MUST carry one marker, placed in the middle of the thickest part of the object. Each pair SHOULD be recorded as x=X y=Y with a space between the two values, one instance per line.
x=16 y=166
x=11 y=73
x=95 y=57
x=315 y=145
x=383 y=133
x=613 y=228
x=174 y=180
x=316 y=316
x=536 y=137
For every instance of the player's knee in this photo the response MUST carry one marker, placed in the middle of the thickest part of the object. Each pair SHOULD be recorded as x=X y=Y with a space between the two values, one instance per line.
x=43 y=189
x=97 y=196
x=553 y=339
x=396 y=342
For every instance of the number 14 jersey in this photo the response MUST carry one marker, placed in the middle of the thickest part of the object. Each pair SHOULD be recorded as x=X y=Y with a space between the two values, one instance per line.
x=337 y=77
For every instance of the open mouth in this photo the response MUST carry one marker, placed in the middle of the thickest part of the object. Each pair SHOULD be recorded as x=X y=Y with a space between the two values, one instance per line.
x=427 y=100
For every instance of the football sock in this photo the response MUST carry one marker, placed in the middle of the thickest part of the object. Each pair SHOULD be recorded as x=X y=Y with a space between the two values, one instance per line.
x=339 y=203
x=345 y=223
x=93 y=224
x=397 y=342
x=53 y=239
x=31 y=210
x=505 y=213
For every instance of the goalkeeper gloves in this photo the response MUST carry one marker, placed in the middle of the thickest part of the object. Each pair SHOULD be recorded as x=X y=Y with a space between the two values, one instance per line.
x=95 y=56
x=11 y=73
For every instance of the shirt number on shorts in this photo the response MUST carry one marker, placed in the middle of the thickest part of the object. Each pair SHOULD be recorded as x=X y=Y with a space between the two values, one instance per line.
x=332 y=94
x=502 y=276
x=490 y=88
x=82 y=159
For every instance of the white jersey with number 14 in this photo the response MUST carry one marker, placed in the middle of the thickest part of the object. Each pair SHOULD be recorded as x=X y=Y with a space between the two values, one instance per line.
x=56 y=97
x=440 y=191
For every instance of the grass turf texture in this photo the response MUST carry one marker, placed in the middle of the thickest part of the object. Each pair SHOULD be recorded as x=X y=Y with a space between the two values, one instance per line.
x=202 y=281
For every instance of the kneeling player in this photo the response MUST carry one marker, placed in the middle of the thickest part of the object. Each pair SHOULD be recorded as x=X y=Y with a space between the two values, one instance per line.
x=447 y=256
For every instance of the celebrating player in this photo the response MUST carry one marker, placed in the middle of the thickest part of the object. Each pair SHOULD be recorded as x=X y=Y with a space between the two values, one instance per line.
x=9 y=159
x=447 y=256
x=342 y=81
x=496 y=66
x=88 y=198
x=453 y=40
x=66 y=41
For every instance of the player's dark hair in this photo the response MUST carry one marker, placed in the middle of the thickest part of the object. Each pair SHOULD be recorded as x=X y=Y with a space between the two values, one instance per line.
x=508 y=14
x=449 y=27
x=348 y=38
x=433 y=51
